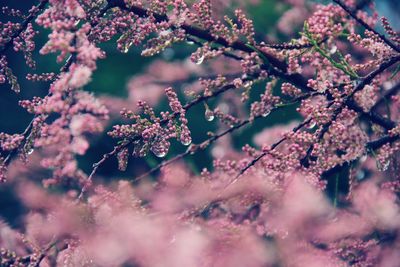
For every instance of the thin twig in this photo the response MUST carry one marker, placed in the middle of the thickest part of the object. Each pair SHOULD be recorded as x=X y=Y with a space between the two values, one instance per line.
x=273 y=146
x=288 y=46
x=203 y=145
x=369 y=146
x=348 y=100
x=71 y=59
x=278 y=69
x=353 y=14
x=24 y=25
x=388 y=94
x=174 y=115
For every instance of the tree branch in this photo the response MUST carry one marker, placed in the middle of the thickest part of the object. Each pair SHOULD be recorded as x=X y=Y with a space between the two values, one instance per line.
x=38 y=8
x=353 y=14
x=203 y=145
x=348 y=101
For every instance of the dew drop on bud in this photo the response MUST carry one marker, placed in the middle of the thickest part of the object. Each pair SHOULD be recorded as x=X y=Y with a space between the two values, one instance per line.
x=126 y=48
x=333 y=50
x=160 y=154
x=247 y=84
x=266 y=113
x=312 y=125
x=200 y=60
x=186 y=141
x=209 y=114
x=160 y=148
x=383 y=166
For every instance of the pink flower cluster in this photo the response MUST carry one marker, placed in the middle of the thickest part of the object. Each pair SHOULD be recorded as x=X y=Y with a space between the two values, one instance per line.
x=152 y=133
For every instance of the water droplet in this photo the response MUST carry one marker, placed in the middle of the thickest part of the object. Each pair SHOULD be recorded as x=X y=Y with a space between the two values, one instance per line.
x=160 y=154
x=186 y=141
x=312 y=125
x=266 y=113
x=160 y=148
x=190 y=42
x=383 y=166
x=360 y=175
x=333 y=50
x=200 y=60
x=247 y=84
x=363 y=158
x=126 y=48
x=209 y=114
x=30 y=151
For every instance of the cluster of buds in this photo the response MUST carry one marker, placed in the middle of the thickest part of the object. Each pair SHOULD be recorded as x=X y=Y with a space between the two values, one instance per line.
x=150 y=132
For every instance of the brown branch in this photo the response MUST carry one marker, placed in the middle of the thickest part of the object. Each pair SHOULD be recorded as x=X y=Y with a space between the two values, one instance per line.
x=194 y=78
x=369 y=146
x=28 y=130
x=203 y=145
x=378 y=143
x=163 y=122
x=273 y=146
x=71 y=59
x=43 y=253
x=278 y=68
x=226 y=54
x=368 y=79
x=26 y=134
x=375 y=144
x=38 y=8
x=28 y=259
x=348 y=101
x=353 y=14
x=388 y=94
x=288 y=46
